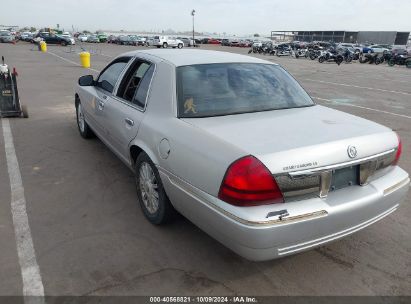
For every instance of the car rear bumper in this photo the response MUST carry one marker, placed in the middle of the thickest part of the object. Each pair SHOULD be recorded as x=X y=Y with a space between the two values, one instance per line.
x=311 y=223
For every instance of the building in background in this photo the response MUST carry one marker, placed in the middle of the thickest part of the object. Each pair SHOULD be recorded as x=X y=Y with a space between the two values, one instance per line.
x=377 y=37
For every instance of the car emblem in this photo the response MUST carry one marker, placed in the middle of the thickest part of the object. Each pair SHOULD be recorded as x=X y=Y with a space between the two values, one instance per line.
x=352 y=151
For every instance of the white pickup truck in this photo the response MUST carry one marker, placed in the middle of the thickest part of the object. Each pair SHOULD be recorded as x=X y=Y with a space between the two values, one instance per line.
x=166 y=41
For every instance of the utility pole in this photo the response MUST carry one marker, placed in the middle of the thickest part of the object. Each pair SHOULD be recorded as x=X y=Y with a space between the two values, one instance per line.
x=192 y=14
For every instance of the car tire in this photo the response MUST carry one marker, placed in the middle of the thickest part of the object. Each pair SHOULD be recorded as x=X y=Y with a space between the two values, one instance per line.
x=63 y=43
x=321 y=59
x=152 y=197
x=24 y=111
x=165 y=45
x=83 y=127
x=158 y=46
x=180 y=46
x=391 y=62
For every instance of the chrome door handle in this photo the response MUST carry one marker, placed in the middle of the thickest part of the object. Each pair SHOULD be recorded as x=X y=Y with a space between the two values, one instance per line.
x=129 y=121
x=100 y=105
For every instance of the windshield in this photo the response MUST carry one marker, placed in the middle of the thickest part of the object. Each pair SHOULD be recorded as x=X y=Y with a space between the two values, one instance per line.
x=231 y=88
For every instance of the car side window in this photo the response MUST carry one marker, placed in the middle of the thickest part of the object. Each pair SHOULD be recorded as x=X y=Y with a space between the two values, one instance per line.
x=108 y=78
x=134 y=86
x=141 y=95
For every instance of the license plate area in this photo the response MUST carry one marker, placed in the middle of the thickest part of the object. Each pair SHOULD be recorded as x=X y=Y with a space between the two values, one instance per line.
x=344 y=177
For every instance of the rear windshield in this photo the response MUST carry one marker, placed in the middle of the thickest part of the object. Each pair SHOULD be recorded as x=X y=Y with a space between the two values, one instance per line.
x=231 y=88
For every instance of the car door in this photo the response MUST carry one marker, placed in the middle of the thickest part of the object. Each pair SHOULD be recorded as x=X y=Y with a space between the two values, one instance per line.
x=125 y=110
x=101 y=93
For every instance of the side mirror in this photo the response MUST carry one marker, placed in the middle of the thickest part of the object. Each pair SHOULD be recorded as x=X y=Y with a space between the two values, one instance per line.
x=86 y=81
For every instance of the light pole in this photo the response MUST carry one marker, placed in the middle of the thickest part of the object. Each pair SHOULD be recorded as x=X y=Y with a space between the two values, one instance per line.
x=192 y=14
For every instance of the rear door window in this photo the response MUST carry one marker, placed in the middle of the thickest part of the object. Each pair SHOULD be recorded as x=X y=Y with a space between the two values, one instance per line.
x=134 y=86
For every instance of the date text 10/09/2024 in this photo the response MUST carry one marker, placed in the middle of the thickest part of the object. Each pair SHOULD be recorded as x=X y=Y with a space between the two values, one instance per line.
x=201 y=299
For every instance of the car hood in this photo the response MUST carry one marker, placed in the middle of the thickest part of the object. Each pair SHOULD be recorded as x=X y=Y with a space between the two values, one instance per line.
x=299 y=138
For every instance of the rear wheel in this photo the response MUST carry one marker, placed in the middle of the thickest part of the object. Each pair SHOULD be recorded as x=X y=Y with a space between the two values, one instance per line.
x=153 y=199
x=180 y=45
x=321 y=59
x=83 y=127
x=63 y=43
x=408 y=63
x=165 y=45
x=391 y=62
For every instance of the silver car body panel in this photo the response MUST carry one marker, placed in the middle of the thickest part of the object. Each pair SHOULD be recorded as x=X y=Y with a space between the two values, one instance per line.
x=293 y=143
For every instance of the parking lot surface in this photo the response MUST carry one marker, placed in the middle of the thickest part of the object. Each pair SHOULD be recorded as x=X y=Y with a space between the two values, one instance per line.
x=90 y=237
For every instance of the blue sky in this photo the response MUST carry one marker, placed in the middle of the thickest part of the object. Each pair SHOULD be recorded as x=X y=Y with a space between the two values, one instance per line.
x=222 y=16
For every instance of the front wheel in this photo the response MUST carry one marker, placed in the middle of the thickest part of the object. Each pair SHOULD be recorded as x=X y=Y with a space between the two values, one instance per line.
x=83 y=127
x=180 y=46
x=165 y=45
x=321 y=59
x=391 y=62
x=63 y=43
x=408 y=63
x=153 y=199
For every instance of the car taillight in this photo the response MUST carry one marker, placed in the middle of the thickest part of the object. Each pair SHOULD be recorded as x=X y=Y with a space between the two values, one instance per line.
x=399 y=151
x=248 y=182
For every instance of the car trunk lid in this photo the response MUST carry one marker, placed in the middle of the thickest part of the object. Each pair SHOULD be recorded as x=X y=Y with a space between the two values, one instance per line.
x=299 y=138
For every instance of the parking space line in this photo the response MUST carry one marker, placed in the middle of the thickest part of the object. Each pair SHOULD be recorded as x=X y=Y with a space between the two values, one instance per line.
x=30 y=271
x=361 y=107
x=70 y=61
x=355 y=86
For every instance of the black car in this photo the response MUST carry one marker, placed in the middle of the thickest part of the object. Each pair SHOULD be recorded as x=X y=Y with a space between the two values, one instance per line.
x=50 y=38
x=225 y=42
x=124 y=40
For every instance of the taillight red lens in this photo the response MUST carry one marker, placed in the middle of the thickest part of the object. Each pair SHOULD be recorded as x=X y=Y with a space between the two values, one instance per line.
x=248 y=182
x=399 y=151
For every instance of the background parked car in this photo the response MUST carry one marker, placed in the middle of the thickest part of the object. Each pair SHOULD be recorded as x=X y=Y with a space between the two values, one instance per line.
x=102 y=37
x=112 y=39
x=50 y=38
x=82 y=37
x=124 y=40
x=187 y=41
x=214 y=41
x=7 y=37
x=68 y=36
x=93 y=39
x=150 y=41
x=225 y=42
x=166 y=41
x=376 y=48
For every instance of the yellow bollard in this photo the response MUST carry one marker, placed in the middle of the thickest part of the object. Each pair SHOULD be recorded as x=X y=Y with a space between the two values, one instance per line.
x=85 y=59
x=43 y=46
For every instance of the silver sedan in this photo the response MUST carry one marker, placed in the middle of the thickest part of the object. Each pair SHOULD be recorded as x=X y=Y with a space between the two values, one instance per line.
x=236 y=145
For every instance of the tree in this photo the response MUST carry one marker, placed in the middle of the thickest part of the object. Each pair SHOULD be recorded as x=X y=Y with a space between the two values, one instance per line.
x=256 y=35
x=33 y=29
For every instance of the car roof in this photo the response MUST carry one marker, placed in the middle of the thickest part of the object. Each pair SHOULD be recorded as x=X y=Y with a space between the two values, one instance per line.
x=181 y=57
